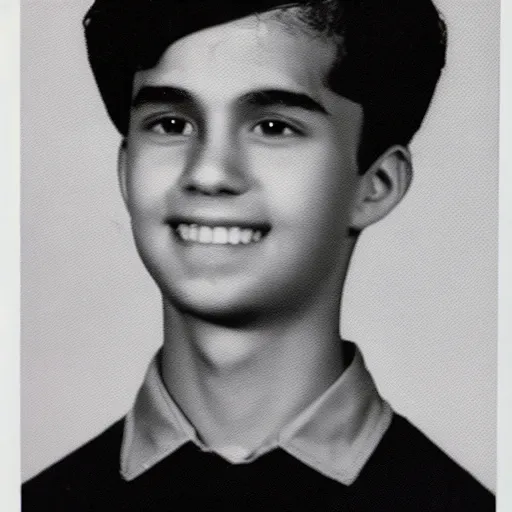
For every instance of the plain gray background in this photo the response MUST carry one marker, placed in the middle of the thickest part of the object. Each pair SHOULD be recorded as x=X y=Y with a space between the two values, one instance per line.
x=421 y=295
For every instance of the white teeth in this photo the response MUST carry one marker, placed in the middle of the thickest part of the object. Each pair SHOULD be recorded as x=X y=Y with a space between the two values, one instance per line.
x=246 y=236
x=192 y=233
x=256 y=237
x=234 y=236
x=205 y=235
x=219 y=235
x=183 y=230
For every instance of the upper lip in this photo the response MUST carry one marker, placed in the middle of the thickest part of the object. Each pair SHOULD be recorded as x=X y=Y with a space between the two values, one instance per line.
x=219 y=221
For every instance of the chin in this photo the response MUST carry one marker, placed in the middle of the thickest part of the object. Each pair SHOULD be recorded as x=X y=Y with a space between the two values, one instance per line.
x=216 y=304
x=226 y=314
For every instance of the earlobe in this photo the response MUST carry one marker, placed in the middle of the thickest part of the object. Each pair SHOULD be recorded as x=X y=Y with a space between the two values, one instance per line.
x=122 y=171
x=382 y=187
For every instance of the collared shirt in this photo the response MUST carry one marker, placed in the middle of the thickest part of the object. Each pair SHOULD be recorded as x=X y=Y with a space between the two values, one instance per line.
x=335 y=435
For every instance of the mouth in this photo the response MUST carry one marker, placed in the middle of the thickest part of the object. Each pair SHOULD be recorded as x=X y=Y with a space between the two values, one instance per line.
x=220 y=235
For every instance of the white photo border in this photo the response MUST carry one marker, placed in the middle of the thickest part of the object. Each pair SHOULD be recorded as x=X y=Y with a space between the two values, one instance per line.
x=10 y=260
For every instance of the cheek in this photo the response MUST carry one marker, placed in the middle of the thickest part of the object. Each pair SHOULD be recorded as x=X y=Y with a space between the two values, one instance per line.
x=310 y=188
x=151 y=175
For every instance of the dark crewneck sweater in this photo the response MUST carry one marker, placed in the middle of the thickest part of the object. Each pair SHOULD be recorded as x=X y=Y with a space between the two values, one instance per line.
x=406 y=472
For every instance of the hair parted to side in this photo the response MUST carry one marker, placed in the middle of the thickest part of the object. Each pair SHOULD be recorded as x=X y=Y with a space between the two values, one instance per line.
x=389 y=59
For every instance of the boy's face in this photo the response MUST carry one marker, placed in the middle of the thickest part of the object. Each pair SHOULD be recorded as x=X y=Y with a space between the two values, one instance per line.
x=240 y=170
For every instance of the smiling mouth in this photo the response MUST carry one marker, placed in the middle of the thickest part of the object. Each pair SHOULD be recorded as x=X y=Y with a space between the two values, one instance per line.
x=219 y=235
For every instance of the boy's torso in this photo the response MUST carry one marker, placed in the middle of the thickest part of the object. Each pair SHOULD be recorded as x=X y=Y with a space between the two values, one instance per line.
x=405 y=472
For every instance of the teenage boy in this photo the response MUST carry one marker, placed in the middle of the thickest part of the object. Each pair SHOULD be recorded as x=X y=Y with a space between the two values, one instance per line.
x=259 y=139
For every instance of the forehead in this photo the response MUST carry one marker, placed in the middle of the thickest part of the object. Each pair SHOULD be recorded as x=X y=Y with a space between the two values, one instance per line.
x=256 y=52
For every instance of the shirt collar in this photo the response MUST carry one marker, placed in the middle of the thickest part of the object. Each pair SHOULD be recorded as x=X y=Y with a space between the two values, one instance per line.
x=335 y=435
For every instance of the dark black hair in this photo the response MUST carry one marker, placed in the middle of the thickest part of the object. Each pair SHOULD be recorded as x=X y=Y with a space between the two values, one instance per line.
x=390 y=53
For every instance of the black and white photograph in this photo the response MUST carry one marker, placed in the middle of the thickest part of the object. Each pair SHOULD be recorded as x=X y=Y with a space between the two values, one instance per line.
x=259 y=255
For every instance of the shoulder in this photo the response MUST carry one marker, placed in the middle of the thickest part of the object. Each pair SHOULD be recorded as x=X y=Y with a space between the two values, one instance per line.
x=408 y=470
x=83 y=473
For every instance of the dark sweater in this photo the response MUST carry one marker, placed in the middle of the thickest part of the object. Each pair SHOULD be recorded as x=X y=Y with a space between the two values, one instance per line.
x=407 y=472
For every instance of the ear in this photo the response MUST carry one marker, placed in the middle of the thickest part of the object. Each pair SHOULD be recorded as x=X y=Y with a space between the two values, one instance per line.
x=382 y=187
x=122 y=171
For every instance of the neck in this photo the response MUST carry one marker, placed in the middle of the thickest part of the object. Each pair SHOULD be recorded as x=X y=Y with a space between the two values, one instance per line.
x=240 y=386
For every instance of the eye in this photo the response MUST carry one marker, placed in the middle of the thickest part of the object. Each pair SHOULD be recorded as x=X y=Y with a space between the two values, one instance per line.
x=171 y=126
x=275 y=128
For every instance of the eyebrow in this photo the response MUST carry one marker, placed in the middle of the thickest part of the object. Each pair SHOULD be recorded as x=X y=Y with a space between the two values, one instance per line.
x=261 y=98
x=161 y=94
x=281 y=98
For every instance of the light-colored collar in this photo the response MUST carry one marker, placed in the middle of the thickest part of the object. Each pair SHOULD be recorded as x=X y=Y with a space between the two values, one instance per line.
x=335 y=435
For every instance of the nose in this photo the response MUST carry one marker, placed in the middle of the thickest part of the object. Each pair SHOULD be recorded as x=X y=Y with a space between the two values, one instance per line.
x=215 y=169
